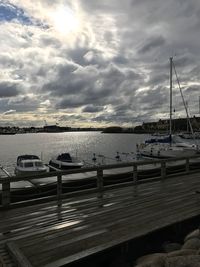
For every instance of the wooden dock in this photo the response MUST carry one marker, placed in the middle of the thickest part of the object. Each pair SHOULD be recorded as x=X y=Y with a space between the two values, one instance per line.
x=49 y=234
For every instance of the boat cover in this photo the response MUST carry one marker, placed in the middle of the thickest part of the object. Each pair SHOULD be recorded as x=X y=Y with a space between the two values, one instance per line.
x=64 y=157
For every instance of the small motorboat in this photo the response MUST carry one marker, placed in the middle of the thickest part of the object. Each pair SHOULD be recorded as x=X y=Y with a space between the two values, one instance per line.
x=64 y=161
x=29 y=165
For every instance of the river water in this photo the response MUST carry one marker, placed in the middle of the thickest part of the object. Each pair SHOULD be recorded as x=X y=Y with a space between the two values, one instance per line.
x=82 y=144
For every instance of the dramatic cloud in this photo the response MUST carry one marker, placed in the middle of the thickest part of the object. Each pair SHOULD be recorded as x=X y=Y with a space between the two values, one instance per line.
x=97 y=62
x=154 y=43
x=92 y=109
x=8 y=89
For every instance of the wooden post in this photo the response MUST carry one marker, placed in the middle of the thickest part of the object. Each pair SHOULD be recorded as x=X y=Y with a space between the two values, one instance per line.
x=163 y=170
x=100 y=182
x=6 y=194
x=135 y=174
x=59 y=189
x=187 y=166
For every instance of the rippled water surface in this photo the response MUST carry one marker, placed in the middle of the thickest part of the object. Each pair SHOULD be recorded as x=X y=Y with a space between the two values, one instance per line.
x=84 y=144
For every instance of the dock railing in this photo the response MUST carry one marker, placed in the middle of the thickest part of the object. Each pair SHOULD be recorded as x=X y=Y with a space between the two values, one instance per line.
x=188 y=165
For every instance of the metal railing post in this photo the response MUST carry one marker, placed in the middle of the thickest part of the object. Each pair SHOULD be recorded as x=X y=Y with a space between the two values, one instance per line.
x=59 y=189
x=6 y=194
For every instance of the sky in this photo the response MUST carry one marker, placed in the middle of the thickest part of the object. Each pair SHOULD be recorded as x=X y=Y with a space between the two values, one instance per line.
x=86 y=63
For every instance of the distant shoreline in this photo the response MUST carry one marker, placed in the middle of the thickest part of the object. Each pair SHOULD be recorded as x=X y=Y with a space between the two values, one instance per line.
x=75 y=131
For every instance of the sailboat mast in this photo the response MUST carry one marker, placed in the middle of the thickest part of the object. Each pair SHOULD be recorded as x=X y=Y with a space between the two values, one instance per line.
x=170 y=114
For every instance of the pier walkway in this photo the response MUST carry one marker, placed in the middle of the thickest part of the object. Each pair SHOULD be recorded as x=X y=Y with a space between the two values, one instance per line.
x=51 y=235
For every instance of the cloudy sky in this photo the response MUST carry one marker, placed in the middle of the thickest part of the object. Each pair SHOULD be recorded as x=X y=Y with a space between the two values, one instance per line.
x=96 y=63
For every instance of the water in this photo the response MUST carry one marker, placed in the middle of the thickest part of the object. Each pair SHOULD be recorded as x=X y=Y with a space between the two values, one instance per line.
x=82 y=144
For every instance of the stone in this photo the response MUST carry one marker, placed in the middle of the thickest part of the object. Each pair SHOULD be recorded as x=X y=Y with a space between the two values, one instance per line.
x=183 y=261
x=193 y=243
x=169 y=247
x=193 y=234
x=182 y=252
x=152 y=260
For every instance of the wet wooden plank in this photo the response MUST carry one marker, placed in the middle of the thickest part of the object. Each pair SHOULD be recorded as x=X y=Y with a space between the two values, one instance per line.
x=55 y=238
x=88 y=214
x=118 y=234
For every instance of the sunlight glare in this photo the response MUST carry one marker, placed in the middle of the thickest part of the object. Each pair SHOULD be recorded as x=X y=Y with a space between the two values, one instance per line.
x=65 y=20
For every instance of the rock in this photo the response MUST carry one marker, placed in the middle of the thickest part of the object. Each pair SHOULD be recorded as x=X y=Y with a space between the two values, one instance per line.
x=169 y=247
x=182 y=252
x=193 y=234
x=152 y=260
x=193 y=243
x=183 y=261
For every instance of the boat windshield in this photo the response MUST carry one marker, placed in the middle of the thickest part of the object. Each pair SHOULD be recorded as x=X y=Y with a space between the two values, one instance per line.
x=38 y=164
x=28 y=164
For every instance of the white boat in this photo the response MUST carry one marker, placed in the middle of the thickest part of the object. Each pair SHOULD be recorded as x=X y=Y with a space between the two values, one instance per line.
x=157 y=148
x=169 y=146
x=65 y=161
x=188 y=135
x=29 y=165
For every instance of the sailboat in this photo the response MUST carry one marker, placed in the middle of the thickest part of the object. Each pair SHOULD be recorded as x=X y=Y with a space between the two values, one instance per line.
x=188 y=135
x=171 y=145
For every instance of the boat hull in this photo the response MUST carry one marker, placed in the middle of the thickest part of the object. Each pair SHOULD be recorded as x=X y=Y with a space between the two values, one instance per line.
x=19 y=172
x=64 y=165
x=166 y=151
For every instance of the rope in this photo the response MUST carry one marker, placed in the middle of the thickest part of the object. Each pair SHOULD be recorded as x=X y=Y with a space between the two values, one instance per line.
x=5 y=171
x=184 y=103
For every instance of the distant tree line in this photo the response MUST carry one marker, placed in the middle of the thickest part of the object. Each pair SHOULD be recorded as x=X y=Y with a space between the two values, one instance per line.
x=44 y=129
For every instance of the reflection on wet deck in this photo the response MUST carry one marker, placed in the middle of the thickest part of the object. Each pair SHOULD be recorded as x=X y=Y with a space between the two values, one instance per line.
x=49 y=235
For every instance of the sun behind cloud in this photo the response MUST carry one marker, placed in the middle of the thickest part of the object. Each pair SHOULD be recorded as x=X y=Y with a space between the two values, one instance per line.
x=65 y=20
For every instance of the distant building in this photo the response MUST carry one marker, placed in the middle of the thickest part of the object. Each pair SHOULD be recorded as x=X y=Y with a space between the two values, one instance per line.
x=180 y=124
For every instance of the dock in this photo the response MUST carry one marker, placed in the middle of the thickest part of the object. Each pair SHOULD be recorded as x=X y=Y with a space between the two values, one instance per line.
x=71 y=228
